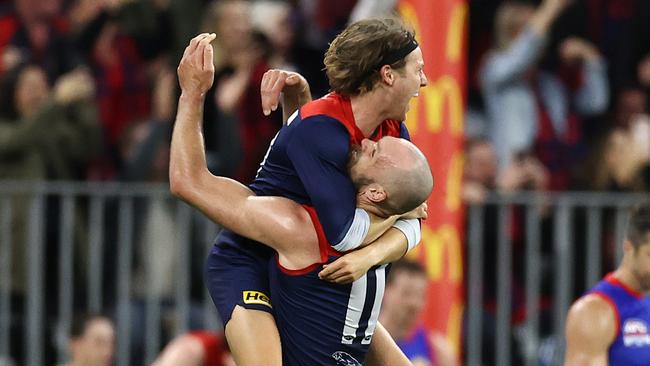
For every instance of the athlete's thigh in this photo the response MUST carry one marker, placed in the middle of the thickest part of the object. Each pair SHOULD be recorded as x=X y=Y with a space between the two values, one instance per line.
x=236 y=275
x=253 y=338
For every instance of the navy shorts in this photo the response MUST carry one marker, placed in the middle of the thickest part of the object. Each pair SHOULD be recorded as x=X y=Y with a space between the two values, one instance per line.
x=237 y=273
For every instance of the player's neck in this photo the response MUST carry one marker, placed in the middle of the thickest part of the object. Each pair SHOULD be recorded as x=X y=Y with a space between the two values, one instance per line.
x=369 y=110
x=626 y=277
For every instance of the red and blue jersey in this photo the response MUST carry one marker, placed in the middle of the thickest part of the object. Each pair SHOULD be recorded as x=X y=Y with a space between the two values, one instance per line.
x=307 y=163
x=323 y=323
x=417 y=347
x=631 y=347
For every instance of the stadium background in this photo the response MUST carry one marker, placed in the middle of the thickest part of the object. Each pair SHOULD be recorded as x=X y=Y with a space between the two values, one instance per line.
x=83 y=156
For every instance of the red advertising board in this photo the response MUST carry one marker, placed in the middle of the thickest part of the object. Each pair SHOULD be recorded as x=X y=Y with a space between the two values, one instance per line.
x=435 y=122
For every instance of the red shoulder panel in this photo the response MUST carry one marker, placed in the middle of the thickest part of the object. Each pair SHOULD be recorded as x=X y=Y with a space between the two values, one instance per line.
x=338 y=107
x=389 y=127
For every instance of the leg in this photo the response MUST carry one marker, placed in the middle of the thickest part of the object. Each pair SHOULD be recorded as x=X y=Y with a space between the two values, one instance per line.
x=253 y=338
x=384 y=351
x=237 y=279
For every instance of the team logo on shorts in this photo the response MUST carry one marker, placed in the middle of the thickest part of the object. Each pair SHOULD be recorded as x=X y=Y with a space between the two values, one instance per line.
x=345 y=359
x=635 y=333
x=256 y=297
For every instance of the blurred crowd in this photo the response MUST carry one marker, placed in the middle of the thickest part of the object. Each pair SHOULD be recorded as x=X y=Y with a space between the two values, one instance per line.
x=557 y=96
x=557 y=101
x=88 y=87
x=557 y=88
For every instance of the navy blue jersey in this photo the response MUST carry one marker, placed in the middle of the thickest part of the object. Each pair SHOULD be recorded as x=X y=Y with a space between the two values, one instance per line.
x=323 y=323
x=631 y=346
x=307 y=163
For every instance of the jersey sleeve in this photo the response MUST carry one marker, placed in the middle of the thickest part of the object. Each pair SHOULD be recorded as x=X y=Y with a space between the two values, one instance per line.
x=411 y=229
x=319 y=150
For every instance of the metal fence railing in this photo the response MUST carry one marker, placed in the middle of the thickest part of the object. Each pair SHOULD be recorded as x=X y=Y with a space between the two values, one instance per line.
x=134 y=252
x=80 y=247
x=550 y=248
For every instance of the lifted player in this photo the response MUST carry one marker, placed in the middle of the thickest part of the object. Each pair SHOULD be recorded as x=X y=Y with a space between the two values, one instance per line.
x=191 y=180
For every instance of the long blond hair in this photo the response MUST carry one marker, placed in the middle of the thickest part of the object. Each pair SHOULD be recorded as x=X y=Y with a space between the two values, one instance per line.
x=355 y=54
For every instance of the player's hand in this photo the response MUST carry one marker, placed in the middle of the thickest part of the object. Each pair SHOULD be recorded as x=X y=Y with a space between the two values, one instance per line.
x=346 y=269
x=420 y=212
x=196 y=69
x=277 y=81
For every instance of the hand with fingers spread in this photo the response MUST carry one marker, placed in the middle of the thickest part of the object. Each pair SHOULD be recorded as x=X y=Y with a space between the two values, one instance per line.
x=274 y=82
x=347 y=269
x=196 y=69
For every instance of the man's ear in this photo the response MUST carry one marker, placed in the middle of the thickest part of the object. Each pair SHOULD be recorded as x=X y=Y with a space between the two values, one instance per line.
x=387 y=75
x=374 y=193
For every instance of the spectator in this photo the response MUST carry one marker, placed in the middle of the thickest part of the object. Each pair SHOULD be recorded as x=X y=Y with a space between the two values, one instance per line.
x=44 y=134
x=480 y=174
x=272 y=19
x=196 y=349
x=117 y=47
x=619 y=163
x=145 y=156
x=35 y=31
x=233 y=104
x=620 y=158
x=92 y=341
x=404 y=300
x=480 y=177
x=529 y=108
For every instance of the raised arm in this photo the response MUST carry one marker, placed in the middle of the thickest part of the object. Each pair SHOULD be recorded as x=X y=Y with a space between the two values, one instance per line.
x=593 y=96
x=290 y=86
x=512 y=61
x=591 y=328
x=223 y=200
